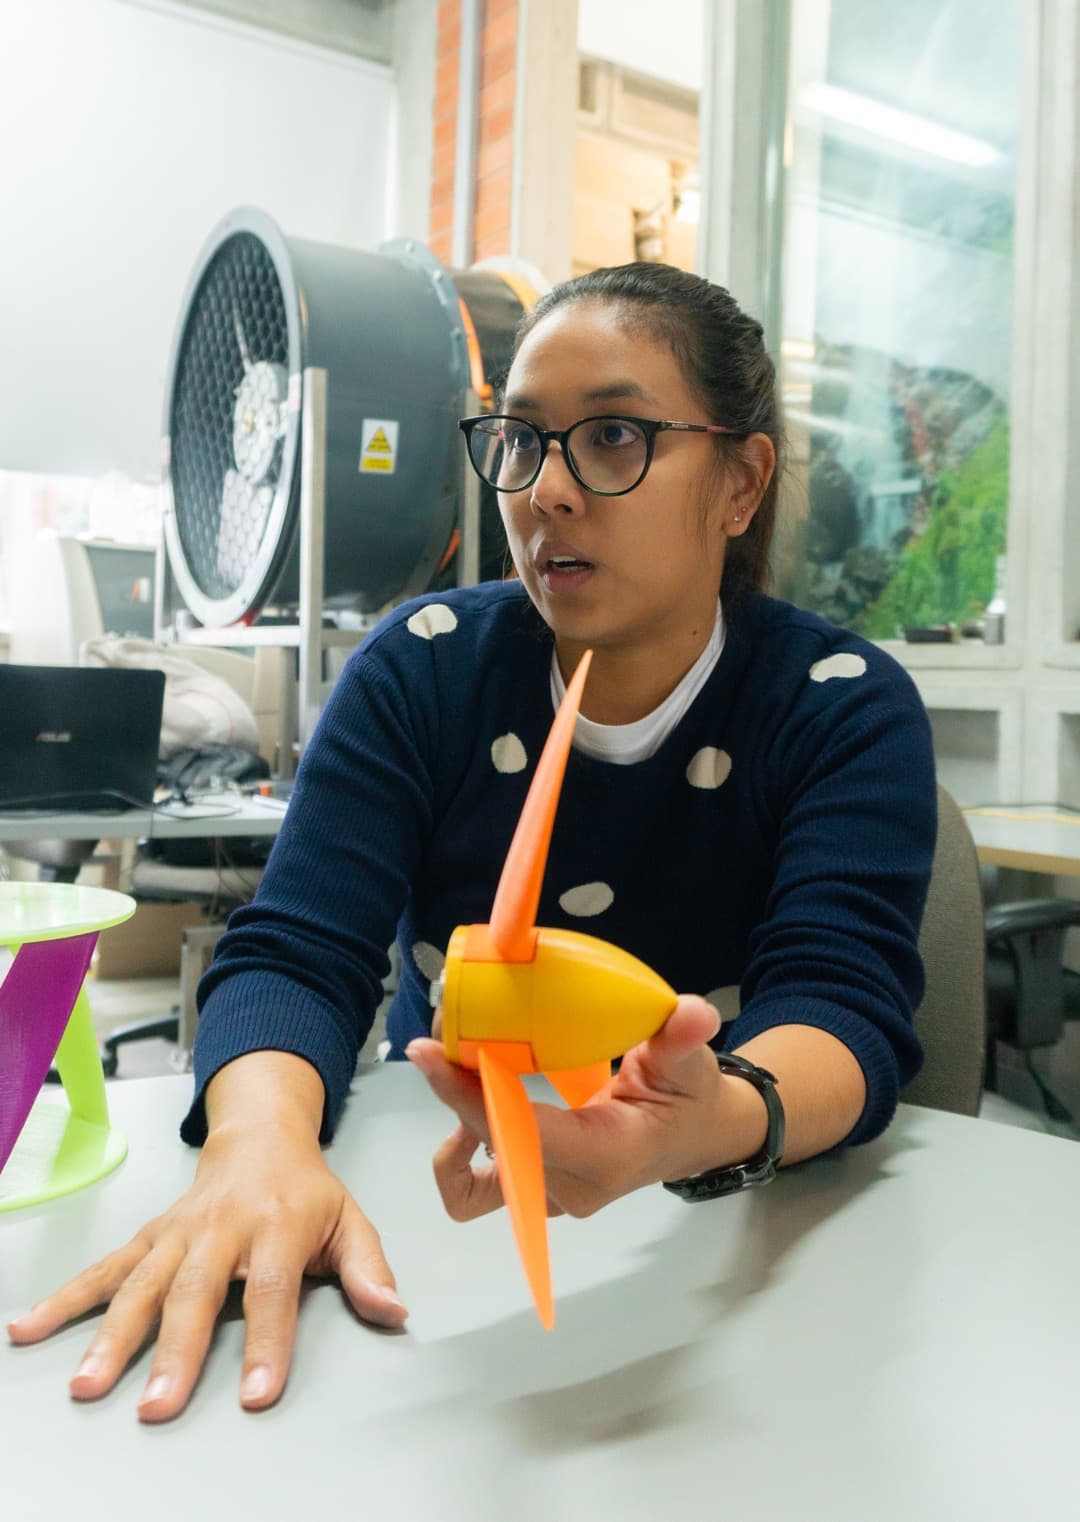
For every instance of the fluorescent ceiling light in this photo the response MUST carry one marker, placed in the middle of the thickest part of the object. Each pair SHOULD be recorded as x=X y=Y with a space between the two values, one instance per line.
x=898 y=126
x=825 y=423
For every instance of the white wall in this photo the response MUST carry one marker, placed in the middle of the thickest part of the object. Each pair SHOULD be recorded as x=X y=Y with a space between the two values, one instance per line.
x=409 y=197
x=364 y=27
x=666 y=40
x=128 y=130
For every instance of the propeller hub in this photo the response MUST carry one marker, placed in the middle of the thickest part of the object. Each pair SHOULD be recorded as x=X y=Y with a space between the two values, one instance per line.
x=259 y=421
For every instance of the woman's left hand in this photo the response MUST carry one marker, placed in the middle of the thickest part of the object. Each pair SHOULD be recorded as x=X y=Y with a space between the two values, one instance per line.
x=667 y=1113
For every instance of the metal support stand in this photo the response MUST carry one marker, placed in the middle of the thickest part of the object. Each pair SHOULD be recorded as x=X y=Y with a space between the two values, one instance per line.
x=197 y=944
x=312 y=550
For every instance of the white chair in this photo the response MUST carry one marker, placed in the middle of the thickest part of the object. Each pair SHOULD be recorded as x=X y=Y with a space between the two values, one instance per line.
x=74 y=588
x=69 y=590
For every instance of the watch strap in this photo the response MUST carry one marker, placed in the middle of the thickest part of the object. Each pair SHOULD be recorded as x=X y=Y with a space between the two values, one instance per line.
x=760 y=1169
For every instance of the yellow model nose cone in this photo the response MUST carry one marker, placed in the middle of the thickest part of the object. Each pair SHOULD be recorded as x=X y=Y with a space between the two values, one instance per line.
x=579 y=1001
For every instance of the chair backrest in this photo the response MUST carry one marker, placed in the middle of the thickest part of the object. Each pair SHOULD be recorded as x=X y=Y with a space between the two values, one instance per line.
x=951 y=1021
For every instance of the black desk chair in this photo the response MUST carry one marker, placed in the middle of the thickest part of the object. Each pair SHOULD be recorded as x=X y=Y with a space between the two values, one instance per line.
x=1030 y=993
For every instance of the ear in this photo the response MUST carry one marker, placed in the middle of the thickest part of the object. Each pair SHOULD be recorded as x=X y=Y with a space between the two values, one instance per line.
x=749 y=474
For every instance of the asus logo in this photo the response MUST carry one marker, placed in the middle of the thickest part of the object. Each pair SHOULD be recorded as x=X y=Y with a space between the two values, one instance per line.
x=54 y=736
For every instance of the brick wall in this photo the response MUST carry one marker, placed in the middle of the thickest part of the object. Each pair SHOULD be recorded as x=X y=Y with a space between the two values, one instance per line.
x=495 y=134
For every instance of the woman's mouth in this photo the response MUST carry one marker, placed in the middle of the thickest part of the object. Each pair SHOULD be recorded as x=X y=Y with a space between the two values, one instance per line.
x=563 y=573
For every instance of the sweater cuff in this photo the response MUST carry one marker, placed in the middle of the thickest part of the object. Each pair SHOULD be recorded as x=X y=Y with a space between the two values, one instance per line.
x=268 y=1011
x=870 y=1048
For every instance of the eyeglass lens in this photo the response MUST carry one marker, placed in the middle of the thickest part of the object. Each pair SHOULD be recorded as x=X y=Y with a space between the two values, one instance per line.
x=608 y=453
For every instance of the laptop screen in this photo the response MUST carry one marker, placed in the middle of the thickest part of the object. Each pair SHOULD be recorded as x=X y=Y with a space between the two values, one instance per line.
x=74 y=738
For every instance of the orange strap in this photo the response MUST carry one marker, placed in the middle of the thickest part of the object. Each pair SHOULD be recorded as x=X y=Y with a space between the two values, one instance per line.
x=476 y=359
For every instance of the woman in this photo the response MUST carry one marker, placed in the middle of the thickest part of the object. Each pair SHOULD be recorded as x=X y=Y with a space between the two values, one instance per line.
x=749 y=807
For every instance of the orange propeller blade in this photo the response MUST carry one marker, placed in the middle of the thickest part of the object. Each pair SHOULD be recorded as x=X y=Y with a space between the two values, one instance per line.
x=578 y=1085
x=520 y=1162
x=513 y=914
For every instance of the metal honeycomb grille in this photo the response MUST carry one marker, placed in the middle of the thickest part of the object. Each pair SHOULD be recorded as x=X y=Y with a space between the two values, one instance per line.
x=228 y=410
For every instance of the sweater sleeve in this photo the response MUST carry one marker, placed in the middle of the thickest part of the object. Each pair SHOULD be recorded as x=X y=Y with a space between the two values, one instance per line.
x=300 y=969
x=856 y=805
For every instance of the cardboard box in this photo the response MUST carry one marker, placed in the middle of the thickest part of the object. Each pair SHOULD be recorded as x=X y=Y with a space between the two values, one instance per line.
x=148 y=944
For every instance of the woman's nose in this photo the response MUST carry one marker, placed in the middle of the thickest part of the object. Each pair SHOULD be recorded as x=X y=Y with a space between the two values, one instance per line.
x=555 y=489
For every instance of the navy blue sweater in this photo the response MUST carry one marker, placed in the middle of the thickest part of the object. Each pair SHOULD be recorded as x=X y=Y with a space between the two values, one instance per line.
x=780 y=840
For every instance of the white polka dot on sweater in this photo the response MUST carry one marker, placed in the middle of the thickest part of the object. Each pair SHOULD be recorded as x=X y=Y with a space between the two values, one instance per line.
x=709 y=768
x=508 y=754
x=843 y=665
x=429 y=959
x=727 y=1001
x=587 y=900
x=436 y=618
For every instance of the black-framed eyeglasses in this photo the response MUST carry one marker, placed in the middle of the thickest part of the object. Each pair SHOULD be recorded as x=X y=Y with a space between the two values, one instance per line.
x=607 y=455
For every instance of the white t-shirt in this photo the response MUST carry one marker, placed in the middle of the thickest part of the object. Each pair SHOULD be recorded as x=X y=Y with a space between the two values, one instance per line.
x=626 y=743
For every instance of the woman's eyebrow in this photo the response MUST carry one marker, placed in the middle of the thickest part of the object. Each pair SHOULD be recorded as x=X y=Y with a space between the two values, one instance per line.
x=613 y=389
x=610 y=391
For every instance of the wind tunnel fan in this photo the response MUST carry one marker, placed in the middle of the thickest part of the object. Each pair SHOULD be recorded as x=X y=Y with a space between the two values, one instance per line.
x=402 y=341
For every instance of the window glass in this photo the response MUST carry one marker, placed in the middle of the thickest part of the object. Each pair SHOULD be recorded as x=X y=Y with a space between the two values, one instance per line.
x=900 y=159
x=637 y=187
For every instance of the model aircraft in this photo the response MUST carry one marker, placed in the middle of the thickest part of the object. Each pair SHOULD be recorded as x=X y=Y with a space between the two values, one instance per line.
x=518 y=998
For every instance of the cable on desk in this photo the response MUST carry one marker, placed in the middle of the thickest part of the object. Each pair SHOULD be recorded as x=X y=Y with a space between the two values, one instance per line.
x=222 y=854
x=168 y=811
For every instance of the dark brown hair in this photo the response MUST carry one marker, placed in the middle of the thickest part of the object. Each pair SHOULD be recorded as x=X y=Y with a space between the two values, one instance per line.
x=721 y=352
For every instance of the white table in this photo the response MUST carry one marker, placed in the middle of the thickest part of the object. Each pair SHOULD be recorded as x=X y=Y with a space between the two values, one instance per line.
x=232 y=816
x=1027 y=839
x=891 y=1334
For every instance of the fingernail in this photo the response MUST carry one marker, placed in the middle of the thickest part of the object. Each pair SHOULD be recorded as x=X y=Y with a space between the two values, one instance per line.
x=256 y=1383
x=90 y=1367
x=158 y=1387
x=384 y=1296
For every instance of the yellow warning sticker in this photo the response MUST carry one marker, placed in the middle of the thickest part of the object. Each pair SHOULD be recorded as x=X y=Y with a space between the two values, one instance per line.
x=379 y=445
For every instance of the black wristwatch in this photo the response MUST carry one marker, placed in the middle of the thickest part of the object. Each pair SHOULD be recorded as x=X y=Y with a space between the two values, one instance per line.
x=758 y=1170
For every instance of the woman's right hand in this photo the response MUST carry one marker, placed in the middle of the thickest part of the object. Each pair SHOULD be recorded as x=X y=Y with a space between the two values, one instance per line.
x=264 y=1208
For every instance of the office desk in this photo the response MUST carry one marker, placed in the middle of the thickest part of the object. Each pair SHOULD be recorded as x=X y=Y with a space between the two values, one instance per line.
x=1027 y=839
x=246 y=816
x=887 y=1335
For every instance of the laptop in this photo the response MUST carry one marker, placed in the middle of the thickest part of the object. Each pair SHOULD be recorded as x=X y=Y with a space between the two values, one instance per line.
x=77 y=738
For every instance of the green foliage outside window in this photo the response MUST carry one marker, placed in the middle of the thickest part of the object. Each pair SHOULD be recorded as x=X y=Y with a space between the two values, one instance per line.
x=946 y=575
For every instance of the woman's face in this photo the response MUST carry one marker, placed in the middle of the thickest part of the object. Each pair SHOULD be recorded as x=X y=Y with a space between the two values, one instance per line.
x=647 y=567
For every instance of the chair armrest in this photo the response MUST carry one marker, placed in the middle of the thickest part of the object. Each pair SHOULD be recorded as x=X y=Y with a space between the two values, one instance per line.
x=1029 y=916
